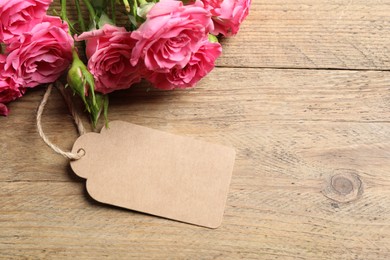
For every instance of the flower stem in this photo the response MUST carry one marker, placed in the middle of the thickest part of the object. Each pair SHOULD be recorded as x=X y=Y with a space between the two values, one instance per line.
x=113 y=11
x=63 y=10
x=142 y=2
x=127 y=5
x=105 y=109
x=135 y=7
x=65 y=18
x=91 y=10
x=80 y=16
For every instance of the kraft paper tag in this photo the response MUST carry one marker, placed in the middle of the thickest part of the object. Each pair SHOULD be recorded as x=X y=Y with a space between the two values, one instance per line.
x=158 y=173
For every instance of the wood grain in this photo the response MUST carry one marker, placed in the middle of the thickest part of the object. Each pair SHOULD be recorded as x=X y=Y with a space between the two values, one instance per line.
x=302 y=93
x=344 y=34
x=291 y=138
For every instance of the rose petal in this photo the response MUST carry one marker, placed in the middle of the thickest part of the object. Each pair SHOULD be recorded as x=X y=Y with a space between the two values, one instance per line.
x=3 y=110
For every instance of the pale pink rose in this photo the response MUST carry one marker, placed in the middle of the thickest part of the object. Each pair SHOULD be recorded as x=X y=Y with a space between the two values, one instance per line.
x=109 y=51
x=227 y=15
x=42 y=54
x=200 y=64
x=19 y=16
x=170 y=35
x=10 y=87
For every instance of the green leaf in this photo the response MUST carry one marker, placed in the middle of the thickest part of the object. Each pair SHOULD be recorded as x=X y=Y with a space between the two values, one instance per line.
x=97 y=109
x=104 y=19
x=212 y=38
x=105 y=109
x=83 y=84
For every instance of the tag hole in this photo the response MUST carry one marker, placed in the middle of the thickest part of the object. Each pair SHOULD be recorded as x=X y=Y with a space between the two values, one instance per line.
x=81 y=152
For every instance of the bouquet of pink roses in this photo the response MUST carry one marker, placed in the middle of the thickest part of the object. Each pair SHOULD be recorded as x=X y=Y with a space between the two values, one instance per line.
x=170 y=43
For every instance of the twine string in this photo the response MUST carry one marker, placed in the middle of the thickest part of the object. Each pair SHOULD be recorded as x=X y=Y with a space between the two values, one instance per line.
x=71 y=108
x=77 y=120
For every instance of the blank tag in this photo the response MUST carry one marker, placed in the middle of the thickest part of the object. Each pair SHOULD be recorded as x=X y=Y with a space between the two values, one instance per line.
x=158 y=173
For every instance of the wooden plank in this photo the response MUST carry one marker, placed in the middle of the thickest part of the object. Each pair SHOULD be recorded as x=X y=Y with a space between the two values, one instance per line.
x=312 y=34
x=311 y=177
x=246 y=102
x=267 y=221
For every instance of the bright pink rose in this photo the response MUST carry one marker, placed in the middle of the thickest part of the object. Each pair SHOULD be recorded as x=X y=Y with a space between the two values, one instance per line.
x=19 y=16
x=170 y=35
x=10 y=87
x=42 y=54
x=109 y=52
x=227 y=15
x=200 y=64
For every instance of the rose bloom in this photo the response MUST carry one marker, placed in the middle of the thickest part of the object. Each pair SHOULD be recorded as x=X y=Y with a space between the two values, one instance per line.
x=170 y=35
x=3 y=110
x=19 y=16
x=42 y=54
x=10 y=87
x=227 y=15
x=200 y=64
x=109 y=51
x=8 y=94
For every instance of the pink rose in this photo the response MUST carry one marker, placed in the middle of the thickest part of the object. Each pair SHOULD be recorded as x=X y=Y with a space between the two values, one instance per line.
x=170 y=35
x=7 y=95
x=19 y=16
x=10 y=87
x=227 y=15
x=213 y=6
x=10 y=92
x=3 y=110
x=42 y=54
x=109 y=52
x=200 y=64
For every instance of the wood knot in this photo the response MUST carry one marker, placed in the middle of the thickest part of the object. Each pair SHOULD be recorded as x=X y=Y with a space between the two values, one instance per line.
x=343 y=187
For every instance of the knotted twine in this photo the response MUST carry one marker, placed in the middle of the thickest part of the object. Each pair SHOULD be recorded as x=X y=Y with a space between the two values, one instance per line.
x=72 y=110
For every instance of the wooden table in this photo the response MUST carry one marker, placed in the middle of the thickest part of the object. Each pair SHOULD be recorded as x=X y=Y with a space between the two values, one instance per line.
x=302 y=93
